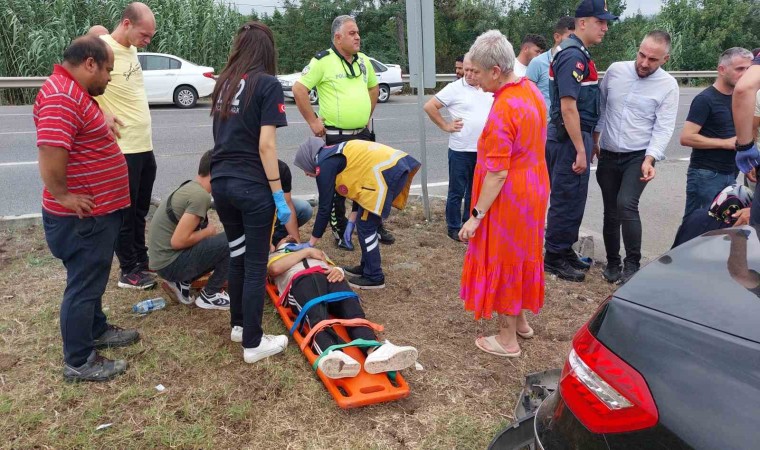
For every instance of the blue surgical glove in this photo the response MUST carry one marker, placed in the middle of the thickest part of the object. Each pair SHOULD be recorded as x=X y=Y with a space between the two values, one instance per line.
x=746 y=160
x=283 y=211
x=296 y=247
x=347 y=235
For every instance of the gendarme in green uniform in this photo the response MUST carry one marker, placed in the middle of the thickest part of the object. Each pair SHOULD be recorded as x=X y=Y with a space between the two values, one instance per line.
x=343 y=88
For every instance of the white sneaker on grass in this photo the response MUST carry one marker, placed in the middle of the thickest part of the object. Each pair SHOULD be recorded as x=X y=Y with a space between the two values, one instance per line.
x=389 y=357
x=236 y=335
x=270 y=345
x=178 y=291
x=337 y=364
x=220 y=300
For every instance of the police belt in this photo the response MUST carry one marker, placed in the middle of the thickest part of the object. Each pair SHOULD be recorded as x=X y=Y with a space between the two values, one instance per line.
x=335 y=131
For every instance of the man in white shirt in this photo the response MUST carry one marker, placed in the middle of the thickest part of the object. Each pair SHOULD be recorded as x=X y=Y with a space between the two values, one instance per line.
x=468 y=107
x=532 y=45
x=639 y=102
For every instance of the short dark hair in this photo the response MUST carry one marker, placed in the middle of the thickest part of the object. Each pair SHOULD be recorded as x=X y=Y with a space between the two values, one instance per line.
x=536 y=39
x=85 y=47
x=660 y=36
x=563 y=24
x=204 y=168
x=755 y=51
x=460 y=58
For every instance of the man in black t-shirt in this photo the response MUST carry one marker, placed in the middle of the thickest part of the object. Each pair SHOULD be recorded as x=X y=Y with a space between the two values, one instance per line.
x=300 y=210
x=709 y=130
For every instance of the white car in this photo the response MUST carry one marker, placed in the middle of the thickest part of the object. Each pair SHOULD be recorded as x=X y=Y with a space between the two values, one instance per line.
x=388 y=78
x=170 y=79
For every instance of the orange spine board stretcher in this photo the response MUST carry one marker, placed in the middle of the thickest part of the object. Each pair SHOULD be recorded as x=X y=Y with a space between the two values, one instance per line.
x=361 y=390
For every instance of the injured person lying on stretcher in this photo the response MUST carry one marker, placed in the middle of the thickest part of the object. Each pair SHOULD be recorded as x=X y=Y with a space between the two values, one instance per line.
x=308 y=274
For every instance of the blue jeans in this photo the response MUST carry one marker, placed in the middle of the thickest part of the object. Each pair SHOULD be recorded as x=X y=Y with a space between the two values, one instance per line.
x=246 y=210
x=85 y=246
x=461 y=170
x=304 y=212
x=702 y=185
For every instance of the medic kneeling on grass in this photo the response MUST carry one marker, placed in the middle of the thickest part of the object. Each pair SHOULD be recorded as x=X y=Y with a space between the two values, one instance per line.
x=316 y=291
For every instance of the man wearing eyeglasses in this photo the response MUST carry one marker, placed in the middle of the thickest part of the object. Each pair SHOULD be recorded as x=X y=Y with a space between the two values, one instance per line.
x=348 y=89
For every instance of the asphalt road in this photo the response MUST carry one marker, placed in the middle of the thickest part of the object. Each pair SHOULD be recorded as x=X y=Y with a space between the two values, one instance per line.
x=181 y=136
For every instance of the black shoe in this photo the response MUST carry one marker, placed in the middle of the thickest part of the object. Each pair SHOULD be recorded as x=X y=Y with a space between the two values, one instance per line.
x=364 y=283
x=136 y=280
x=454 y=234
x=629 y=270
x=578 y=262
x=560 y=266
x=354 y=270
x=116 y=337
x=97 y=368
x=612 y=273
x=343 y=245
x=385 y=236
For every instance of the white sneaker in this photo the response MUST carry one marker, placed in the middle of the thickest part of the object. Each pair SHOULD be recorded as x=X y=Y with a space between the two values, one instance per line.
x=220 y=300
x=337 y=364
x=236 y=335
x=389 y=357
x=178 y=291
x=270 y=345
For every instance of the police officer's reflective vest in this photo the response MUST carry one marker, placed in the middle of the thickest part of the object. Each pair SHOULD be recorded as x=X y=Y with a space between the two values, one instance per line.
x=589 y=97
x=368 y=164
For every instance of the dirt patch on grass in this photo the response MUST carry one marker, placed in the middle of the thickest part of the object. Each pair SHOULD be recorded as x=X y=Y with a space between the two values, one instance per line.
x=214 y=400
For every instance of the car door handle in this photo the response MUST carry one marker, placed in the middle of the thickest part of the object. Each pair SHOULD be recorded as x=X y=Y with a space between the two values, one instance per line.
x=168 y=74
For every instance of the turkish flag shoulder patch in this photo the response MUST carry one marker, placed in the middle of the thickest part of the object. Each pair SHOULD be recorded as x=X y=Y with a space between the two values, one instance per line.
x=282 y=107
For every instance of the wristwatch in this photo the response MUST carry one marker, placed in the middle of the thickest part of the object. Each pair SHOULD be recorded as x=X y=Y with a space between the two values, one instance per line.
x=478 y=214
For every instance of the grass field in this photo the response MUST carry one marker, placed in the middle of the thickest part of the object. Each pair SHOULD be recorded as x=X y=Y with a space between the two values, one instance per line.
x=460 y=399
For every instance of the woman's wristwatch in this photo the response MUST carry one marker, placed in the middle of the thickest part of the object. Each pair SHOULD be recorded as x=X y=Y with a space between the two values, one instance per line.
x=478 y=214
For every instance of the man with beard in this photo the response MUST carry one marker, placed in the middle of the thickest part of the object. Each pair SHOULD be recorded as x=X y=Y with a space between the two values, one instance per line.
x=639 y=102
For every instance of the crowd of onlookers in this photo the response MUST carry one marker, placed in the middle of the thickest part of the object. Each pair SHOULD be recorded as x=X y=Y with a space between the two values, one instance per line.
x=524 y=130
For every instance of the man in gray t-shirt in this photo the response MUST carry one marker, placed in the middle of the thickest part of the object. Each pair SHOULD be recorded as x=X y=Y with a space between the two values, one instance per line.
x=183 y=247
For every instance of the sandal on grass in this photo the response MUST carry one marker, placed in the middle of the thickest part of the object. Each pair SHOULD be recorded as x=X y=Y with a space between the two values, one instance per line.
x=495 y=347
x=526 y=335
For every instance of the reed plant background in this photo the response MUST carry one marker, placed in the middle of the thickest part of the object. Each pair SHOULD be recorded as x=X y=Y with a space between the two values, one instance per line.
x=34 y=33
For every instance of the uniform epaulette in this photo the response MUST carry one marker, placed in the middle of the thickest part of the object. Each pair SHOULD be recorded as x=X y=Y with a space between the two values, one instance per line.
x=322 y=54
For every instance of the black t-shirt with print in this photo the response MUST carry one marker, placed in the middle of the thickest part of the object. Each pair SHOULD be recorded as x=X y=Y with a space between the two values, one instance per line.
x=236 y=139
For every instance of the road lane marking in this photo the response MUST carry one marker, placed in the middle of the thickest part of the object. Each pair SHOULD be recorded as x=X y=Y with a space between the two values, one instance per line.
x=20 y=163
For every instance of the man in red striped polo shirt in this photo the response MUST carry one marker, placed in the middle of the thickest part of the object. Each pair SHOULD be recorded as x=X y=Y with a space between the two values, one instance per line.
x=86 y=189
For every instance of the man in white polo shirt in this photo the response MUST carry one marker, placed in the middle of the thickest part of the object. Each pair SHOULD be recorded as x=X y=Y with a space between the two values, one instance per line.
x=639 y=102
x=468 y=107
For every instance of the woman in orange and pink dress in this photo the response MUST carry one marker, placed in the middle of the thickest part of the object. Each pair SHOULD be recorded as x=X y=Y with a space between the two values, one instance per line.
x=503 y=271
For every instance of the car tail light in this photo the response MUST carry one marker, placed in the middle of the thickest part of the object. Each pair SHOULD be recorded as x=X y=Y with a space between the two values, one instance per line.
x=605 y=393
x=208 y=75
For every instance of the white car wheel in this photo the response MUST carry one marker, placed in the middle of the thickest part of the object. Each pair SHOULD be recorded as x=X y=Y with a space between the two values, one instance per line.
x=385 y=93
x=313 y=97
x=185 y=97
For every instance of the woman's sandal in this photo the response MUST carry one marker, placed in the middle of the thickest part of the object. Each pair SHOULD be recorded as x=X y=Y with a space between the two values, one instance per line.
x=495 y=347
x=527 y=335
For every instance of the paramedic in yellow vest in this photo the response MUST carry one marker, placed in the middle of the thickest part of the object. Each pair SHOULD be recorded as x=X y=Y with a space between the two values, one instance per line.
x=125 y=99
x=348 y=89
x=375 y=177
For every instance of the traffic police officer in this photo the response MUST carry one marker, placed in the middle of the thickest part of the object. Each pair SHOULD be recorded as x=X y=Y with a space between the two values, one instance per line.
x=348 y=89
x=574 y=90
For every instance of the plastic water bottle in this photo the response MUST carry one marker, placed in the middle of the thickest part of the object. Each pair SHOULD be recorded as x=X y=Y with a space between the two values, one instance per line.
x=151 y=304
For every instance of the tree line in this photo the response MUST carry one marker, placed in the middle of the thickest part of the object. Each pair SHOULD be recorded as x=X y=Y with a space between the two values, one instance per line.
x=33 y=33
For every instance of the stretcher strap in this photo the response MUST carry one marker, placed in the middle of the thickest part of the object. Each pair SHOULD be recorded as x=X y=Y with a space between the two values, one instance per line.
x=297 y=275
x=354 y=343
x=345 y=322
x=327 y=298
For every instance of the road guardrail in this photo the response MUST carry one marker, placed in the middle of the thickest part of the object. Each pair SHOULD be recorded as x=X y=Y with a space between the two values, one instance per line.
x=36 y=82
